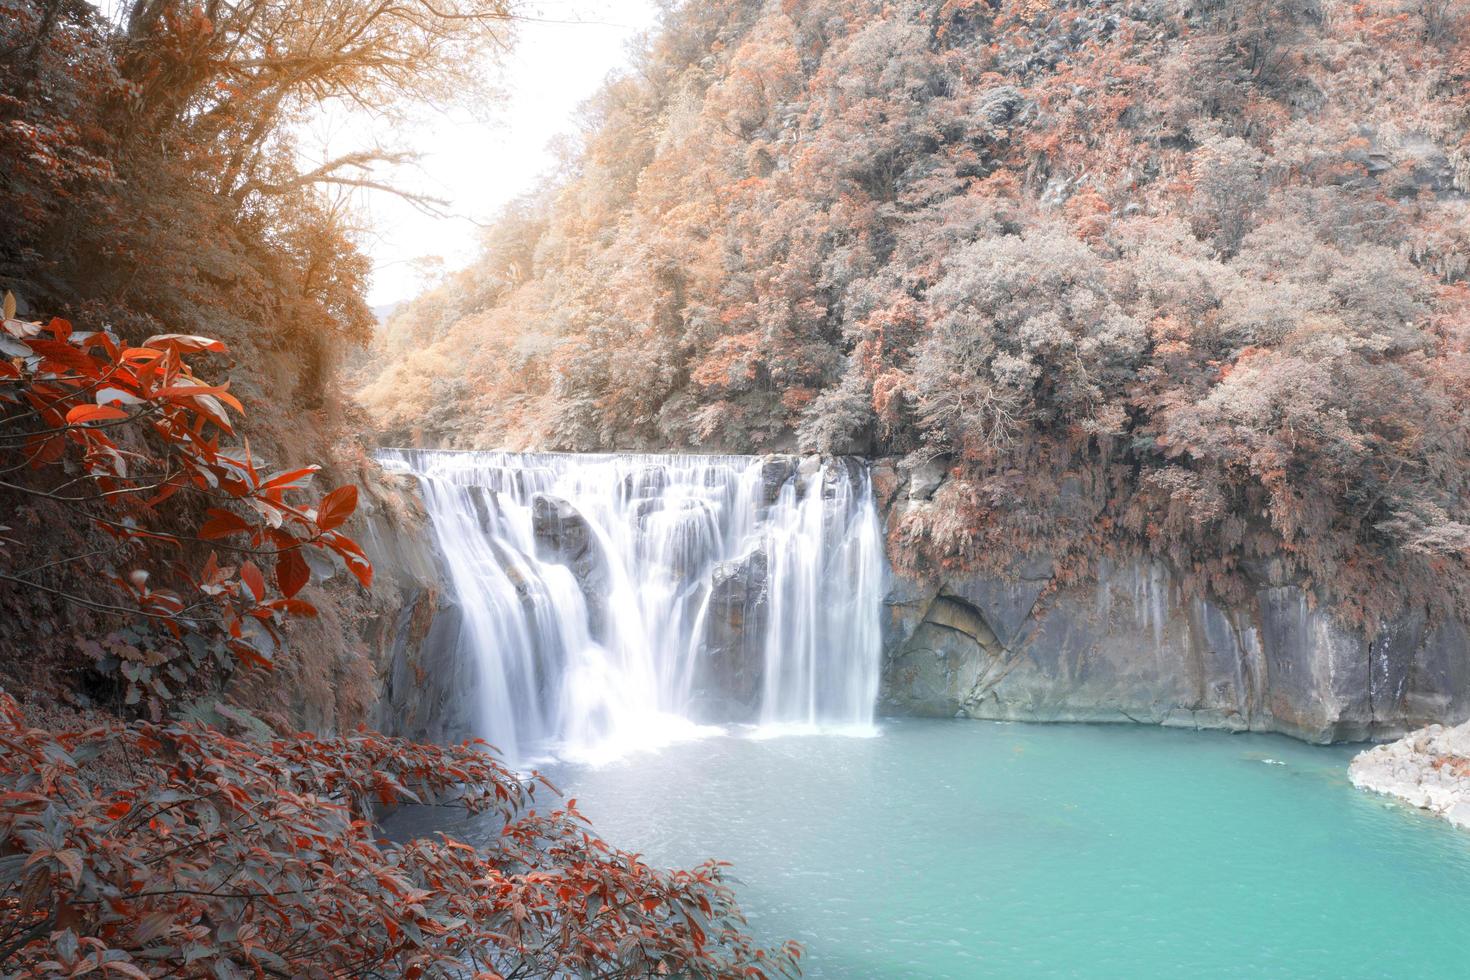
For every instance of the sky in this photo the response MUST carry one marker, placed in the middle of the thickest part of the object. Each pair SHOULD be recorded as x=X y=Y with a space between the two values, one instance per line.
x=478 y=163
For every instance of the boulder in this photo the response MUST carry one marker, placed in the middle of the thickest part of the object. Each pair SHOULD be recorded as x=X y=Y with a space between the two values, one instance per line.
x=731 y=665
x=925 y=478
x=562 y=533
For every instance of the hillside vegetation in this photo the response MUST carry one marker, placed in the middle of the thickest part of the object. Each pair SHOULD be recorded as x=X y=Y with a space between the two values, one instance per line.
x=151 y=183
x=1185 y=278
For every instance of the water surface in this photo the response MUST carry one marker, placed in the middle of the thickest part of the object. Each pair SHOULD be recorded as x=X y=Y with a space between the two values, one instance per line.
x=965 y=849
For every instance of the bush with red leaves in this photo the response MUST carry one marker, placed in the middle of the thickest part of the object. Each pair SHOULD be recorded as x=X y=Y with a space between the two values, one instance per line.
x=127 y=439
x=213 y=855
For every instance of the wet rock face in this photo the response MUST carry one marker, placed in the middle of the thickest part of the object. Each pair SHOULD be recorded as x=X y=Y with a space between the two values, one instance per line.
x=563 y=535
x=731 y=666
x=844 y=475
x=559 y=528
x=776 y=471
x=1132 y=647
x=646 y=482
x=424 y=680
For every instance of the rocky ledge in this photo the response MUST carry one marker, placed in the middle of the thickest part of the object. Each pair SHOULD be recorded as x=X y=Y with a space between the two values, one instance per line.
x=1429 y=769
x=1132 y=644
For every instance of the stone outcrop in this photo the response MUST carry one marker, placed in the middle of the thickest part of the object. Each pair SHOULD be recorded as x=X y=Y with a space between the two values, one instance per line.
x=1429 y=769
x=421 y=676
x=563 y=535
x=731 y=667
x=1132 y=646
x=776 y=470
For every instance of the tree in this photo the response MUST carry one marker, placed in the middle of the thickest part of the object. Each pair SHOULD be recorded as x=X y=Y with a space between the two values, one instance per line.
x=223 y=81
x=1185 y=280
x=148 y=849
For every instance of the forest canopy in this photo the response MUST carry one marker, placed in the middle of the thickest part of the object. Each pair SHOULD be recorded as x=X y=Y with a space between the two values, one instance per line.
x=1201 y=266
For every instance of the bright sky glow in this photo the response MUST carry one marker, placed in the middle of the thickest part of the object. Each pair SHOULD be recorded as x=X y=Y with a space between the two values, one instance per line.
x=479 y=158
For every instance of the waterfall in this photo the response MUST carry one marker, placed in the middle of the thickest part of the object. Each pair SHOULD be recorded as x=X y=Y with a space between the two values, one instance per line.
x=619 y=601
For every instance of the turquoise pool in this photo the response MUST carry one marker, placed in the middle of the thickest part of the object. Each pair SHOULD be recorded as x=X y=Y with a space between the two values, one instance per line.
x=965 y=849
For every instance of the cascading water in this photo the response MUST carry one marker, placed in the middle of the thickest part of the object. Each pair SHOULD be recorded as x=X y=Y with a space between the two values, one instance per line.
x=618 y=601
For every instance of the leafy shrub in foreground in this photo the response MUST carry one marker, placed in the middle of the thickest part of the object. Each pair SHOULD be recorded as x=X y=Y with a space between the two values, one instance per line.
x=150 y=850
x=127 y=439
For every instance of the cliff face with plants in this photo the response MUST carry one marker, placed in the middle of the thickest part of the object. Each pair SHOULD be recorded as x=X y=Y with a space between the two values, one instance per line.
x=1182 y=283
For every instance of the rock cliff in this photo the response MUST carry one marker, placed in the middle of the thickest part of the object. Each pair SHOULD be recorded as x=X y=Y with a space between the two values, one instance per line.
x=416 y=647
x=1131 y=646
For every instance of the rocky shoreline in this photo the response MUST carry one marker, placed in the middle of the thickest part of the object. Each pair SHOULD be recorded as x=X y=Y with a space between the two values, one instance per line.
x=1429 y=769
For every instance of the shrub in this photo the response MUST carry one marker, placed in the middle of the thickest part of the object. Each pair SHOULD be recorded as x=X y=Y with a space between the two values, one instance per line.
x=148 y=850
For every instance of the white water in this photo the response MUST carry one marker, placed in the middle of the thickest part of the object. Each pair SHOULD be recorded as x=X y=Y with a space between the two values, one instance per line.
x=589 y=668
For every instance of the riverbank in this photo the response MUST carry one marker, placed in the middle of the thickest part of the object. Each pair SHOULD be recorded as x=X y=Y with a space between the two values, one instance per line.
x=1429 y=769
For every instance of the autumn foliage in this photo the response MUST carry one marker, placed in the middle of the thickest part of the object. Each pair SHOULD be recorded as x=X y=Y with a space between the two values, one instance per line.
x=150 y=176
x=1183 y=279
x=153 y=850
x=128 y=438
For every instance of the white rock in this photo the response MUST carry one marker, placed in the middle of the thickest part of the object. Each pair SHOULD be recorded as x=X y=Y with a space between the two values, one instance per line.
x=1427 y=769
x=926 y=478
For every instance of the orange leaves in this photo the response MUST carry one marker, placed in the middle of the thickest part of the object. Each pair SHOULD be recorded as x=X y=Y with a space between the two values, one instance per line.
x=732 y=362
x=60 y=358
x=72 y=389
x=287 y=816
x=291 y=480
x=296 y=607
x=336 y=507
x=357 y=563
x=254 y=581
x=796 y=398
x=222 y=524
x=94 y=413
x=206 y=401
x=292 y=572
x=179 y=343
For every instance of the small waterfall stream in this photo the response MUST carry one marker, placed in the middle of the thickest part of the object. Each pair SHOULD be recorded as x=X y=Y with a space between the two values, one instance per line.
x=613 y=602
